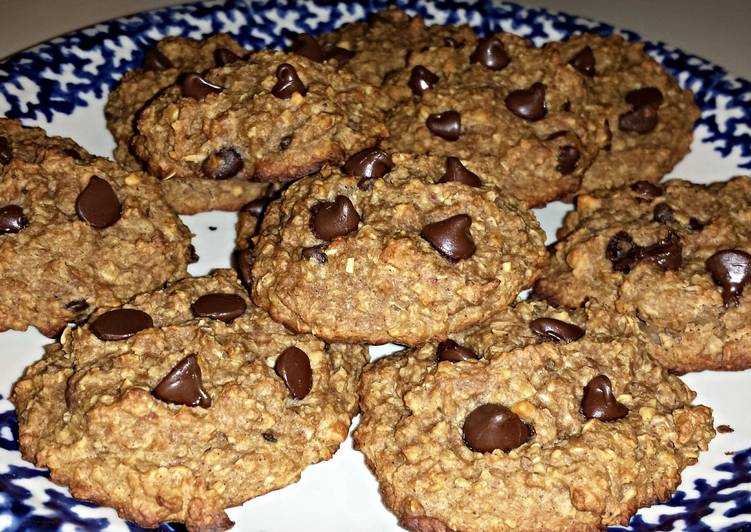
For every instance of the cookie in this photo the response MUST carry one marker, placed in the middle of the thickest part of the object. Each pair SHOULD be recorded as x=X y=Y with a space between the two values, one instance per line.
x=356 y=259
x=79 y=233
x=525 y=432
x=675 y=256
x=184 y=402
x=31 y=144
x=650 y=119
x=504 y=103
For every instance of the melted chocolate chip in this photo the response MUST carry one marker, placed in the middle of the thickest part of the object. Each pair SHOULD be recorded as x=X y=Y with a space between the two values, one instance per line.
x=288 y=82
x=421 y=79
x=640 y=121
x=97 y=204
x=12 y=219
x=315 y=253
x=269 y=437
x=285 y=142
x=456 y=171
x=556 y=330
x=120 y=324
x=584 y=61
x=156 y=60
x=644 y=97
x=528 y=104
x=222 y=307
x=338 y=54
x=447 y=125
x=491 y=426
x=331 y=219
x=257 y=207
x=6 y=154
x=490 y=53
x=244 y=264
x=624 y=253
x=663 y=214
x=451 y=237
x=293 y=366
x=77 y=305
x=192 y=85
x=647 y=189
x=730 y=269
x=368 y=164
x=224 y=56
x=599 y=402
x=183 y=385
x=222 y=164
x=568 y=156
x=450 y=351
x=307 y=46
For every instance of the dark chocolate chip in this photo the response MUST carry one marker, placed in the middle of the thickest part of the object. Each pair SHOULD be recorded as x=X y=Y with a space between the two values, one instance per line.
x=622 y=252
x=192 y=85
x=695 y=225
x=584 y=61
x=456 y=171
x=288 y=82
x=183 y=385
x=192 y=255
x=331 y=219
x=269 y=437
x=338 y=54
x=222 y=307
x=315 y=253
x=285 y=142
x=257 y=207
x=307 y=46
x=568 y=156
x=370 y=163
x=120 y=324
x=6 y=153
x=224 y=56
x=556 y=330
x=97 y=204
x=451 y=351
x=491 y=426
x=77 y=305
x=156 y=60
x=447 y=125
x=642 y=120
x=451 y=237
x=730 y=269
x=644 y=97
x=663 y=214
x=667 y=253
x=490 y=53
x=12 y=219
x=244 y=264
x=222 y=164
x=73 y=154
x=528 y=104
x=600 y=403
x=647 y=189
x=293 y=366
x=421 y=79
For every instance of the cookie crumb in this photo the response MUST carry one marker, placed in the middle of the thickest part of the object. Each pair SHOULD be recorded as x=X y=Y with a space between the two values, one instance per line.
x=724 y=429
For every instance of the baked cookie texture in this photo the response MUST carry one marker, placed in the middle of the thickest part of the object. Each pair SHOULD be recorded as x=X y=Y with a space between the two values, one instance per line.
x=57 y=262
x=570 y=472
x=663 y=134
x=645 y=250
x=378 y=261
x=88 y=410
x=31 y=144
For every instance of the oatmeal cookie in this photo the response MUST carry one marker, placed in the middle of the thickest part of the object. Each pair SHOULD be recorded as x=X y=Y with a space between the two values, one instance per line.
x=31 y=144
x=574 y=434
x=374 y=261
x=185 y=402
x=676 y=256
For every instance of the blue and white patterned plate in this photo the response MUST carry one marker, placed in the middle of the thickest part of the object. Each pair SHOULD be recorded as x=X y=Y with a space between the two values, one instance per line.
x=62 y=85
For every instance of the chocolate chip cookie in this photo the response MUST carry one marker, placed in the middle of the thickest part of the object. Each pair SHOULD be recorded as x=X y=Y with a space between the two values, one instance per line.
x=78 y=232
x=359 y=258
x=185 y=402
x=676 y=256
x=650 y=119
x=531 y=423
x=31 y=144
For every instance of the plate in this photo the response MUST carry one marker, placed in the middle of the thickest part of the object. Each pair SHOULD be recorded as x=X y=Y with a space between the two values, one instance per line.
x=62 y=85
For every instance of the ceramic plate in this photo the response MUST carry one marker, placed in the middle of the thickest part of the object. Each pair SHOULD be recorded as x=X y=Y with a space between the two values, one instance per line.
x=62 y=85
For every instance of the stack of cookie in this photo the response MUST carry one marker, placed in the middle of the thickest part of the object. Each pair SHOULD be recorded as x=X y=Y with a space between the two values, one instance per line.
x=387 y=171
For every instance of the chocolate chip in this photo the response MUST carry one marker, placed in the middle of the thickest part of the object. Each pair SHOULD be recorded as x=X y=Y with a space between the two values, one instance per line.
x=307 y=46
x=490 y=53
x=622 y=252
x=285 y=142
x=584 y=61
x=97 y=204
x=667 y=253
x=447 y=125
x=663 y=214
x=556 y=330
x=421 y=79
x=257 y=207
x=73 y=154
x=156 y=60
x=224 y=56
x=120 y=324
x=77 y=305
x=644 y=97
x=222 y=307
x=528 y=104
x=451 y=237
x=640 y=121
x=600 y=403
x=222 y=164
x=450 y=351
x=269 y=437
x=647 y=189
x=315 y=253
x=12 y=219
x=568 y=156
x=293 y=366
x=491 y=426
x=331 y=219
x=456 y=171
x=6 y=153
x=192 y=255
x=183 y=385
x=338 y=54
x=288 y=82
x=730 y=269
x=694 y=224
x=244 y=263
x=192 y=85
x=369 y=164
